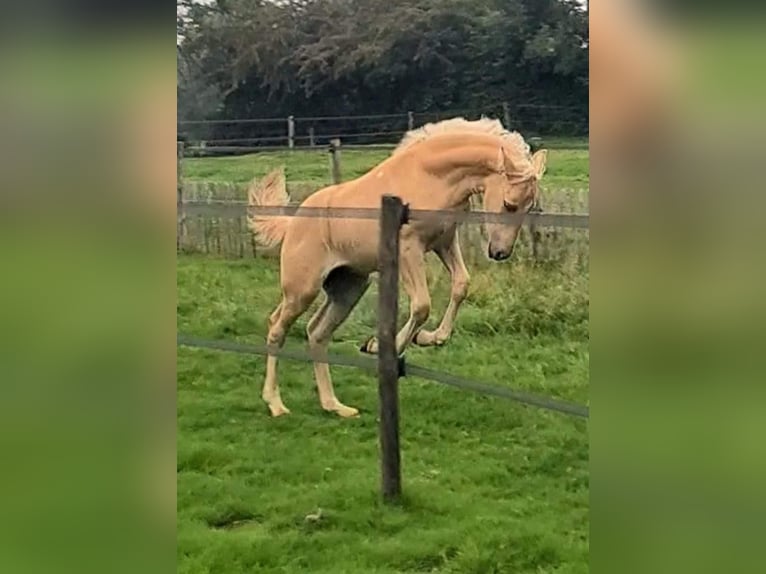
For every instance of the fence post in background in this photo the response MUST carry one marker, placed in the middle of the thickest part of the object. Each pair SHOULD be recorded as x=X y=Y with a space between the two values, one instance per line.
x=410 y=121
x=391 y=218
x=290 y=132
x=506 y=115
x=534 y=233
x=311 y=136
x=335 y=159
x=180 y=193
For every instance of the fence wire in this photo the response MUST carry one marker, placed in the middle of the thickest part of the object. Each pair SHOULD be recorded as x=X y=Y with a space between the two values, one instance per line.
x=371 y=364
x=489 y=108
x=230 y=209
x=361 y=362
x=319 y=147
x=502 y=392
x=213 y=144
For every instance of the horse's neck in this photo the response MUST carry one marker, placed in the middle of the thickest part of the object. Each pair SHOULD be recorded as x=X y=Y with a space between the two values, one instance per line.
x=462 y=164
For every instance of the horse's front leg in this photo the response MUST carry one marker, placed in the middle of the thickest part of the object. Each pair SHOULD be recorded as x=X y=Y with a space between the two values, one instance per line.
x=452 y=258
x=412 y=272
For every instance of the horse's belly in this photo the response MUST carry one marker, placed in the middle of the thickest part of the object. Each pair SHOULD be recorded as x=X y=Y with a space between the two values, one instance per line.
x=357 y=246
x=439 y=236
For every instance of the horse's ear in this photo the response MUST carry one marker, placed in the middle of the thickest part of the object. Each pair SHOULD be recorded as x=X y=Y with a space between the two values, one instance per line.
x=539 y=160
x=504 y=162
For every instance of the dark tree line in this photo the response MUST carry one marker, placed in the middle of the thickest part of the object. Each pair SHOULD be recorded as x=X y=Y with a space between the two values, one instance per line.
x=258 y=58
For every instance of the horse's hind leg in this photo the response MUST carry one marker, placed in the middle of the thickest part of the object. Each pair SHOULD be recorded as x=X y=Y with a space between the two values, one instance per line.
x=344 y=289
x=296 y=298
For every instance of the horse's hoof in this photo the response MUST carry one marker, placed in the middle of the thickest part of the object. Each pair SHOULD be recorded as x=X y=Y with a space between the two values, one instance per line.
x=278 y=410
x=347 y=412
x=419 y=338
x=343 y=411
x=365 y=347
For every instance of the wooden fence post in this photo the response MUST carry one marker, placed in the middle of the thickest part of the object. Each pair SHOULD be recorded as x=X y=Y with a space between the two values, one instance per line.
x=335 y=160
x=391 y=219
x=506 y=115
x=410 y=121
x=290 y=132
x=180 y=193
x=534 y=233
x=311 y=136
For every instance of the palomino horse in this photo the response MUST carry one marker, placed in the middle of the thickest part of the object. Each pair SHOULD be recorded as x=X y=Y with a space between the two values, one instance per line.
x=438 y=167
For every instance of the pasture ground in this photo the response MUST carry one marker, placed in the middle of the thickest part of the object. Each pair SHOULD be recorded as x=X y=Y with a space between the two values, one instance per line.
x=490 y=486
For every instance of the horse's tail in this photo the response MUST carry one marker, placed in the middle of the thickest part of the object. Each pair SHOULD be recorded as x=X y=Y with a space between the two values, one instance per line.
x=270 y=191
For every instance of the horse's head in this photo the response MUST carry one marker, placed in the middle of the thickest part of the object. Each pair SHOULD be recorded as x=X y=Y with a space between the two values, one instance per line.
x=513 y=188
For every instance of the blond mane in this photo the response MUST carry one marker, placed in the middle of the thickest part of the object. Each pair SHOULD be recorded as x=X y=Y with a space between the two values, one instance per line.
x=462 y=125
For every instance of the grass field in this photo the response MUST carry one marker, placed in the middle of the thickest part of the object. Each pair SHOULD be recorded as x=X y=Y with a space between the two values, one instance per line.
x=567 y=167
x=490 y=486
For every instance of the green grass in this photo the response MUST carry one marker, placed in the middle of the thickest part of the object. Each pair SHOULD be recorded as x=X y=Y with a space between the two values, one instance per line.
x=300 y=165
x=490 y=486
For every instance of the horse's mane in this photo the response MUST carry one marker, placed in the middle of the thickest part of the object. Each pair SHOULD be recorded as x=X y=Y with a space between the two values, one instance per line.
x=462 y=125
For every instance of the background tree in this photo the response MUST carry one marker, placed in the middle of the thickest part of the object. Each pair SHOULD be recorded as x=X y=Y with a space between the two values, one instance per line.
x=258 y=58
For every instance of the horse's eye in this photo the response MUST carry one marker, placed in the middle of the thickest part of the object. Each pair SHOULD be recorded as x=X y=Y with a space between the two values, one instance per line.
x=511 y=207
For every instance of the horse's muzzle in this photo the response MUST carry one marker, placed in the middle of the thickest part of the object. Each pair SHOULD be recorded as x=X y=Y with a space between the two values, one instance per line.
x=499 y=254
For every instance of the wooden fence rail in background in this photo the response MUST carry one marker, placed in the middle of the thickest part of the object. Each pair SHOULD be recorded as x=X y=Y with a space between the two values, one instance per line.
x=289 y=137
x=288 y=132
